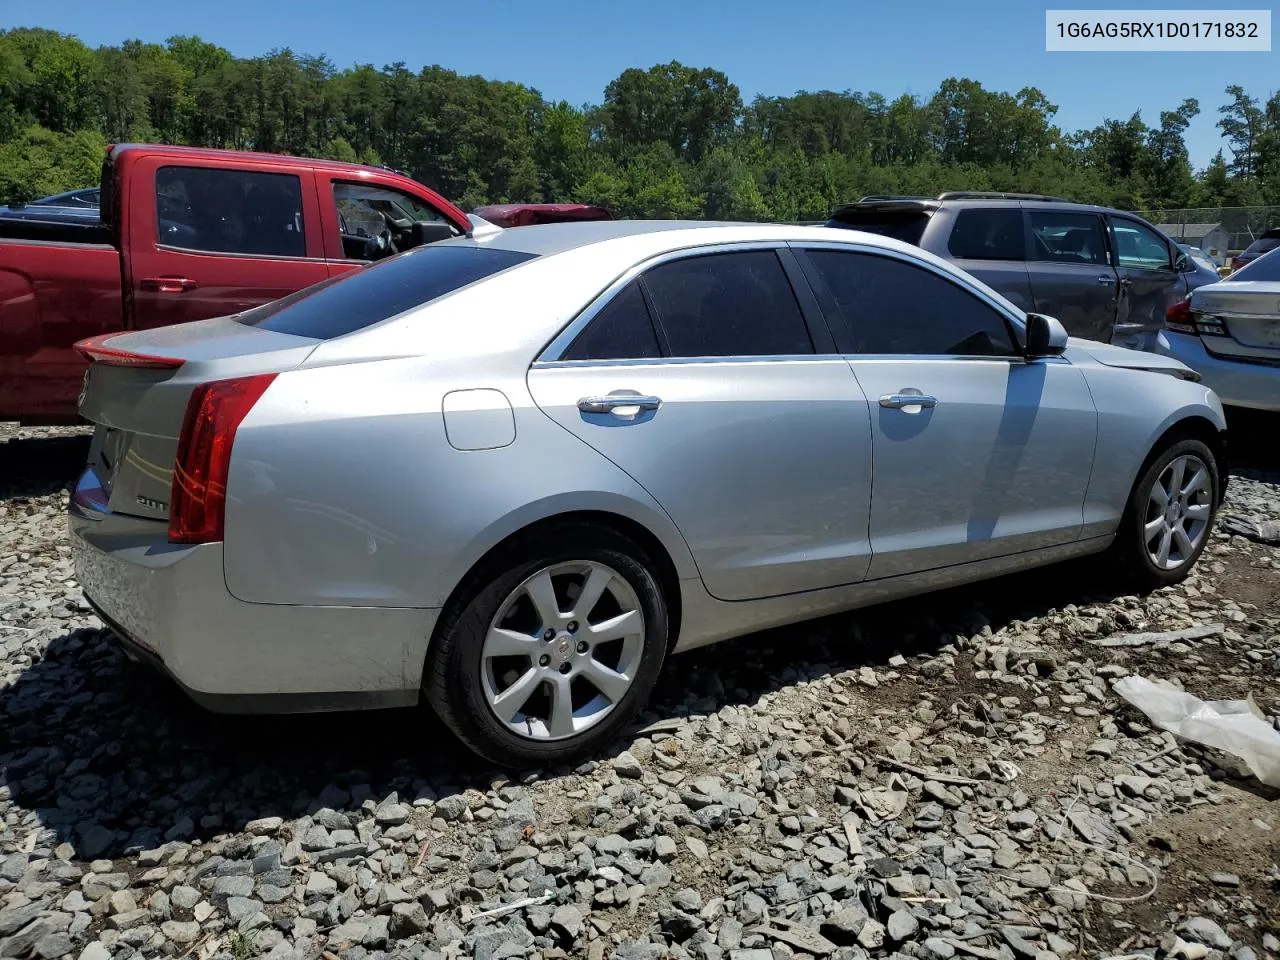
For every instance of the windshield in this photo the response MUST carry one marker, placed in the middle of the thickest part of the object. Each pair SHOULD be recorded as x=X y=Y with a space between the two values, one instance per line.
x=369 y=295
x=1265 y=268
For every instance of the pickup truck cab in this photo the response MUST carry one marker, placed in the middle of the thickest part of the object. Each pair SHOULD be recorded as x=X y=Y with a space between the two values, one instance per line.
x=185 y=234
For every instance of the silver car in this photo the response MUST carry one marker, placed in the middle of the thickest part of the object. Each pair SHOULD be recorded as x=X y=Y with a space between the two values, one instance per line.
x=1229 y=332
x=515 y=471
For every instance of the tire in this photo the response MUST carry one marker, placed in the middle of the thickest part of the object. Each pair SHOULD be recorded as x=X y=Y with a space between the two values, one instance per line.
x=1145 y=528
x=469 y=669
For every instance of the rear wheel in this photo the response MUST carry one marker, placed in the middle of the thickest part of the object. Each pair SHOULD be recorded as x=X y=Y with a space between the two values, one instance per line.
x=553 y=649
x=1170 y=515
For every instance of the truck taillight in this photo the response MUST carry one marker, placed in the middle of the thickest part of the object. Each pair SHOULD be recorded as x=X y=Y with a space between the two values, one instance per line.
x=198 y=499
x=1178 y=317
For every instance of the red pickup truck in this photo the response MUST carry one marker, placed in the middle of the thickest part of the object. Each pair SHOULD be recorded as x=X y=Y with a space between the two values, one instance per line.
x=185 y=234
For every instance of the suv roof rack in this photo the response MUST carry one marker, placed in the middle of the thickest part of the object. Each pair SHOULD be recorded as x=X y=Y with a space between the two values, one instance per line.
x=998 y=195
x=892 y=196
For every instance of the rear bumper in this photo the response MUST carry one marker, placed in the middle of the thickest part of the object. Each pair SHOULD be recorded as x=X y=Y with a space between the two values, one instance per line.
x=169 y=605
x=1237 y=384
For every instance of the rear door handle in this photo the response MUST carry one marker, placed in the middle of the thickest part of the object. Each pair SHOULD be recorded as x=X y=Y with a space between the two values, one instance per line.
x=896 y=401
x=167 y=284
x=627 y=405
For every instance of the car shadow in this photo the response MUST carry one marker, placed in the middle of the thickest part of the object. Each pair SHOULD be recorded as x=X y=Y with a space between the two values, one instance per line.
x=38 y=466
x=112 y=758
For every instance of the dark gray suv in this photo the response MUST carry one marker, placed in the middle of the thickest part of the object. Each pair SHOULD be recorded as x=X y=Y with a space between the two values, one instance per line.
x=1107 y=275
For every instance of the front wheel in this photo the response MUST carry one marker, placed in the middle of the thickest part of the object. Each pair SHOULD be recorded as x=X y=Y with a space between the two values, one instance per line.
x=556 y=649
x=1170 y=515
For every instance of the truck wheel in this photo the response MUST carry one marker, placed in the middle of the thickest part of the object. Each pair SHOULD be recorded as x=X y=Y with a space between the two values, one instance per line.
x=552 y=650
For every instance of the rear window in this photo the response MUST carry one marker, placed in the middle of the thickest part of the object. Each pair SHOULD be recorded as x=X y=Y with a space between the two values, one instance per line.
x=369 y=295
x=1265 y=268
x=994 y=234
x=1262 y=245
x=907 y=227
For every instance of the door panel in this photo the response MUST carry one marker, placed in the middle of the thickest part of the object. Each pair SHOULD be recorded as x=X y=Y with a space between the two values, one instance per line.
x=763 y=465
x=1071 y=274
x=999 y=465
x=1148 y=283
x=207 y=239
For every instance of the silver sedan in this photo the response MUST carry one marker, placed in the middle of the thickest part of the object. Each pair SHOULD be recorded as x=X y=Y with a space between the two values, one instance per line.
x=1229 y=332
x=514 y=471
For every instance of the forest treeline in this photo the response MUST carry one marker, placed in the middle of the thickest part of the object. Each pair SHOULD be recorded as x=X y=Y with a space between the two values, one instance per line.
x=668 y=141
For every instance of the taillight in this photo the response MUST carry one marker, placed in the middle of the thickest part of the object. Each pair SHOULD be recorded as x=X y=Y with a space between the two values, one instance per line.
x=95 y=349
x=198 y=499
x=1178 y=317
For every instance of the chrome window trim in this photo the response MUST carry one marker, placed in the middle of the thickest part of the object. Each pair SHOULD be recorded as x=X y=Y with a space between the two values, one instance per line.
x=553 y=351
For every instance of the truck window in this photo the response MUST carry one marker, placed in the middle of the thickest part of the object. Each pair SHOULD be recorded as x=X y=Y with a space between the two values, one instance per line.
x=366 y=211
x=230 y=211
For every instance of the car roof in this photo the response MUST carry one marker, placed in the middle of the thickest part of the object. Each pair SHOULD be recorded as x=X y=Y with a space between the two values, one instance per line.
x=552 y=238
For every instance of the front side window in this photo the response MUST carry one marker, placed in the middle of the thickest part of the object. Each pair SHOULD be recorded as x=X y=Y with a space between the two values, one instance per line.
x=728 y=305
x=1140 y=247
x=889 y=306
x=230 y=211
x=623 y=330
x=992 y=234
x=1068 y=237
x=369 y=295
x=366 y=211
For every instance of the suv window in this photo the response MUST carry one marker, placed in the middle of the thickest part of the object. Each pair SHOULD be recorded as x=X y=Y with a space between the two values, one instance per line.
x=230 y=211
x=623 y=330
x=907 y=226
x=991 y=234
x=728 y=305
x=1139 y=246
x=366 y=211
x=1068 y=237
x=352 y=301
x=893 y=307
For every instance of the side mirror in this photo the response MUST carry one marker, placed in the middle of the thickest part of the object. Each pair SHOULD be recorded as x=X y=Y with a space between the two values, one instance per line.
x=429 y=231
x=1182 y=263
x=1046 y=337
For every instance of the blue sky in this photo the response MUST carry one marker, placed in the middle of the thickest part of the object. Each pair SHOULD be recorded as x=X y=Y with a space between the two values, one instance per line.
x=571 y=49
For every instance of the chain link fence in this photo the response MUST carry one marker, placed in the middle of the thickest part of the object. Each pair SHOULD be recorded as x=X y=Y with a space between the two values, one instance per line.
x=1237 y=226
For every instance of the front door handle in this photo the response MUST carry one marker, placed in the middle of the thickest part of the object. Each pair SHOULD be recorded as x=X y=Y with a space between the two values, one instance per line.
x=167 y=284
x=1103 y=278
x=627 y=405
x=896 y=401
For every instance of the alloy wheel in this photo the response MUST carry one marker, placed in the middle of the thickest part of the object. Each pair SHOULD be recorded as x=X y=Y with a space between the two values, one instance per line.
x=563 y=650
x=1179 y=506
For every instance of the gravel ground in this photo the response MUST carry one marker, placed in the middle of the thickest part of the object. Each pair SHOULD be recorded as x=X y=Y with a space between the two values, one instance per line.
x=949 y=777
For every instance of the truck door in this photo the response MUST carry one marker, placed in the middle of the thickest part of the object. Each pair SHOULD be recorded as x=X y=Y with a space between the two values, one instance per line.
x=365 y=217
x=209 y=237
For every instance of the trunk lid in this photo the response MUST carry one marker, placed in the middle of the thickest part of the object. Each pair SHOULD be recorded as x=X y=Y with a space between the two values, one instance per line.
x=1239 y=319
x=138 y=411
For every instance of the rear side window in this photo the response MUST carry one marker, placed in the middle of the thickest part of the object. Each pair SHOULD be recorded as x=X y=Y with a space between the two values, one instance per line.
x=1265 y=268
x=369 y=295
x=230 y=211
x=892 y=307
x=728 y=305
x=1068 y=237
x=994 y=234
x=623 y=330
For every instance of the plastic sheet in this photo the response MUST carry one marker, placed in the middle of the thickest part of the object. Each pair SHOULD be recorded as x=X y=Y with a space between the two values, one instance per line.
x=1230 y=725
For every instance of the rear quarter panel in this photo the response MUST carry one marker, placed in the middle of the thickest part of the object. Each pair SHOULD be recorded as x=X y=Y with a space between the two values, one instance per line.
x=51 y=295
x=1135 y=408
x=345 y=488
x=1007 y=277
